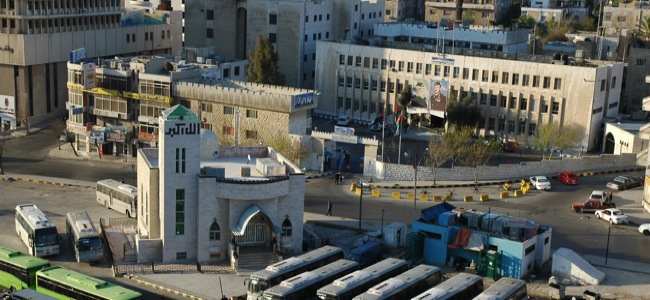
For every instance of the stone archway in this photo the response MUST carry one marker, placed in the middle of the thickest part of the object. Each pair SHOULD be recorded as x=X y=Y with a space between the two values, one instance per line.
x=610 y=144
x=254 y=229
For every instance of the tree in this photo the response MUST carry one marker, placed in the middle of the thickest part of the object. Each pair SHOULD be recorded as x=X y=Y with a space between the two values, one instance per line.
x=478 y=153
x=551 y=136
x=293 y=149
x=463 y=113
x=644 y=29
x=555 y=31
x=586 y=24
x=439 y=153
x=404 y=99
x=456 y=140
x=263 y=64
x=526 y=22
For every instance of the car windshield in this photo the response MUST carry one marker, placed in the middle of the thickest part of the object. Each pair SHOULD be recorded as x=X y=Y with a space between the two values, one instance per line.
x=89 y=244
x=597 y=196
x=617 y=213
x=46 y=237
x=542 y=179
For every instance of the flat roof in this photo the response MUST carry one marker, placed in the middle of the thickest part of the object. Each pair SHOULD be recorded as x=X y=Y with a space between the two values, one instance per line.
x=631 y=126
x=150 y=156
x=21 y=259
x=233 y=168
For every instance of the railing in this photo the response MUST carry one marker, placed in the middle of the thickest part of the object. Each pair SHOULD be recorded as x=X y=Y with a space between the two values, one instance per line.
x=157 y=268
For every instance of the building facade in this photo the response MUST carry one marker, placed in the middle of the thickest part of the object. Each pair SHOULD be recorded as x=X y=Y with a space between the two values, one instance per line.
x=635 y=86
x=477 y=12
x=404 y=10
x=515 y=96
x=624 y=18
x=39 y=36
x=197 y=198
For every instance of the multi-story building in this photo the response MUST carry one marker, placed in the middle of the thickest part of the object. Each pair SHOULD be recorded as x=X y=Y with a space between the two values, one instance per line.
x=558 y=14
x=624 y=18
x=645 y=134
x=114 y=105
x=433 y=37
x=477 y=12
x=404 y=10
x=203 y=203
x=514 y=95
x=233 y=27
x=39 y=36
x=635 y=87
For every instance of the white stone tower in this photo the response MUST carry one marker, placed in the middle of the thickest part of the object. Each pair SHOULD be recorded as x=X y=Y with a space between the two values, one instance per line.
x=179 y=163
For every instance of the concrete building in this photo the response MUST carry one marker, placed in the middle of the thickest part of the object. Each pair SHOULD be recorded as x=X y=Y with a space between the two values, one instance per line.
x=434 y=37
x=623 y=137
x=559 y=14
x=404 y=10
x=477 y=12
x=39 y=36
x=114 y=104
x=624 y=18
x=635 y=87
x=514 y=95
x=645 y=134
x=196 y=198
x=520 y=246
x=243 y=113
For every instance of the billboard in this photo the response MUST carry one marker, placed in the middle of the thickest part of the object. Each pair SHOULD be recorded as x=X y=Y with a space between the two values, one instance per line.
x=438 y=93
x=88 y=71
x=301 y=100
x=7 y=112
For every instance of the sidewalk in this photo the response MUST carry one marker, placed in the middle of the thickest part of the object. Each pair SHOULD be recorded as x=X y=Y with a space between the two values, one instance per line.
x=66 y=152
x=47 y=180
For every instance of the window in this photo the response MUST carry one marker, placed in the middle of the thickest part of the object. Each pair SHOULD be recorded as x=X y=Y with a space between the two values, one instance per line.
x=228 y=110
x=427 y=69
x=251 y=134
x=409 y=67
x=532 y=104
x=513 y=102
x=456 y=72
x=400 y=66
x=286 y=227
x=522 y=126
x=474 y=74
x=226 y=73
x=209 y=33
x=357 y=83
x=495 y=76
x=613 y=82
x=555 y=107
x=511 y=126
x=547 y=82
x=209 y=14
x=536 y=81
x=484 y=76
x=493 y=100
x=501 y=125
x=436 y=70
x=365 y=84
x=391 y=65
x=348 y=81
x=215 y=231
x=465 y=73
x=350 y=60
x=272 y=37
x=339 y=102
x=341 y=81
x=236 y=70
x=383 y=64
x=180 y=211
x=515 y=79
x=532 y=128
x=357 y=61
x=250 y=113
x=273 y=19
x=341 y=60
x=181 y=255
x=206 y=107
x=602 y=85
x=523 y=103
x=483 y=99
x=524 y=79
x=180 y=160
x=366 y=62
x=502 y=100
x=504 y=77
x=557 y=84
x=373 y=84
x=543 y=106
x=375 y=63
x=530 y=249
x=446 y=71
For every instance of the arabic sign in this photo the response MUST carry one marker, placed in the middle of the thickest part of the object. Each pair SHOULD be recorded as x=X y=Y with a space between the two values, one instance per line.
x=77 y=55
x=350 y=139
x=442 y=60
x=303 y=100
x=343 y=130
x=116 y=136
x=88 y=71
x=97 y=137
x=183 y=129
x=8 y=105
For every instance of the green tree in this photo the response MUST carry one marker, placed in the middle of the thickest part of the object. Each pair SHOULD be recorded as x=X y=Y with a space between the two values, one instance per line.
x=263 y=64
x=404 y=99
x=585 y=24
x=455 y=141
x=478 y=153
x=439 y=153
x=555 y=31
x=526 y=22
x=644 y=29
x=293 y=149
x=551 y=136
x=463 y=113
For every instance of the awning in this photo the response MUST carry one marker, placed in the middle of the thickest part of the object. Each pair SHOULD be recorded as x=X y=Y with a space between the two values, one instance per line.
x=244 y=218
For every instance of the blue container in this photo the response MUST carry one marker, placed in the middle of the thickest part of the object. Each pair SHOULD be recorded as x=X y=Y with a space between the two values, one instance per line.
x=367 y=253
x=447 y=219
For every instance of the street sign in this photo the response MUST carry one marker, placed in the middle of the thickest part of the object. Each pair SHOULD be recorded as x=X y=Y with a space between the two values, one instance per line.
x=341 y=130
x=350 y=139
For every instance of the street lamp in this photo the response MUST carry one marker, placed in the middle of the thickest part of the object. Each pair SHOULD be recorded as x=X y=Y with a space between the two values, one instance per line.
x=416 y=163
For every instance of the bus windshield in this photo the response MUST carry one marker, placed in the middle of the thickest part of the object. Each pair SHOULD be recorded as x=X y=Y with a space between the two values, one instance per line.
x=46 y=237
x=257 y=285
x=89 y=244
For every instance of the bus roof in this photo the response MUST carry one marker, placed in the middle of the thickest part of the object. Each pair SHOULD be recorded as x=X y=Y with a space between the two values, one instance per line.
x=501 y=288
x=299 y=281
x=406 y=279
x=34 y=216
x=122 y=187
x=457 y=283
x=82 y=224
x=29 y=294
x=21 y=260
x=88 y=284
x=360 y=277
x=293 y=263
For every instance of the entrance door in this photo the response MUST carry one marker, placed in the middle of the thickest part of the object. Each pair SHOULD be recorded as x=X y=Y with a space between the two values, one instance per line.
x=257 y=233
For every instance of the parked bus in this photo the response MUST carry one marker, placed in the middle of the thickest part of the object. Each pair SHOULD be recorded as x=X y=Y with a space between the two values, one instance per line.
x=348 y=286
x=64 y=284
x=18 y=270
x=27 y=294
x=305 y=285
x=405 y=285
x=275 y=273
x=505 y=288
x=84 y=238
x=117 y=196
x=36 y=231
x=460 y=287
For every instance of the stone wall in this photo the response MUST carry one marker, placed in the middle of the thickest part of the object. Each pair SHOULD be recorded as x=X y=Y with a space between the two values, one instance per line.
x=395 y=172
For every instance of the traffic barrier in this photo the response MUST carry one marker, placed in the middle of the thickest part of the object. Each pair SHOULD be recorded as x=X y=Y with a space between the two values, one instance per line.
x=410 y=196
x=468 y=198
x=437 y=198
x=396 y=195
x=376 y=193
x=353 y=187
x=484 y=197
x=423 y=196
x=504 y=195
x=517 y=194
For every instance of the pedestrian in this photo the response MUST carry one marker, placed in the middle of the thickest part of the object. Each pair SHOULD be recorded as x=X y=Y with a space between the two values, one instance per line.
x=329 y=207
x=274 y=244
x=336 y=178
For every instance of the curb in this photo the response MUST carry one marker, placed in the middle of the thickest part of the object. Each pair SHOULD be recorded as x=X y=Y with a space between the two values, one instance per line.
x=9 y=178
x=161 y=288
x=500 y=182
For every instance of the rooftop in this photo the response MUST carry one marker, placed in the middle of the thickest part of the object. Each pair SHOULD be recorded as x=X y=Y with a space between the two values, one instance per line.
x=150 y=156
x=629 y=126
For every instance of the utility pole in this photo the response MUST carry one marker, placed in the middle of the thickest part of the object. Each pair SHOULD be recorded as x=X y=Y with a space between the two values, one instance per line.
x=415 y=183
x=360 y=204
x=609 y=233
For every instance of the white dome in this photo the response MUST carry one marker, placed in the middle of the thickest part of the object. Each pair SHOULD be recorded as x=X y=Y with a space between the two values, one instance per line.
x=209 y=145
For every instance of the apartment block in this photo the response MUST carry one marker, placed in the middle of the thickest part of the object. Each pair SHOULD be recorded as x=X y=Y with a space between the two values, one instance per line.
x=515 y=96
x=477 y=12
x=624 y=18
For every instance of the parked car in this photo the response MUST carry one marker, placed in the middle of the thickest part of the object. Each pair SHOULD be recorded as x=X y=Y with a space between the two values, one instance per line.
x=613 y=215
x=568 y=178
x=541 y=183
x=597 y=200
x=620 y=183
x=343 y=120
x=644 y=228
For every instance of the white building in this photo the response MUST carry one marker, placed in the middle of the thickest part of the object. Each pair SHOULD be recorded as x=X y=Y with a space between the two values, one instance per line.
x=197 y=198
x=623 y=137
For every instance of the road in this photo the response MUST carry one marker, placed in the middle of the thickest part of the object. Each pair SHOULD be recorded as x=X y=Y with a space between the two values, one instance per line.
x=579 y=232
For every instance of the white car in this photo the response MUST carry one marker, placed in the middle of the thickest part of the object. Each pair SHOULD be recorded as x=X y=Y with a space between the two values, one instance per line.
x=343 y=120
x=644 y=228
x=541 y=183
x=612 y=215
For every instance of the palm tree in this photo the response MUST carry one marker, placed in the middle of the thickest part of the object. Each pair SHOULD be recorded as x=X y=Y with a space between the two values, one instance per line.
x=644 y=29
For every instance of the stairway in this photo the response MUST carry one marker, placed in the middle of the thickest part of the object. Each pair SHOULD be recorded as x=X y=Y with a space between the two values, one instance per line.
x=251 y=260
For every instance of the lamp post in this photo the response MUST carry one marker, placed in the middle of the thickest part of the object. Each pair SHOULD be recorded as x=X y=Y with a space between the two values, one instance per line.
x=416 y=162
x=609 y=233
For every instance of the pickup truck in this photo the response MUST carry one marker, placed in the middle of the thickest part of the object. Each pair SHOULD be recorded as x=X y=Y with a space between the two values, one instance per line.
x=597 y=200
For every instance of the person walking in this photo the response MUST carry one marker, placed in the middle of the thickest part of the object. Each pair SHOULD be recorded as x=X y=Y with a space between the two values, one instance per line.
x=329 y=207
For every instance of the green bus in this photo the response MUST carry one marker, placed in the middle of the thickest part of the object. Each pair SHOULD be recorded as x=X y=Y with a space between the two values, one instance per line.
x=18 y=270
x=64 y=284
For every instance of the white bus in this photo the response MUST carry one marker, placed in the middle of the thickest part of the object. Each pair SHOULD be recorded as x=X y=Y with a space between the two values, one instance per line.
x=405 y=285
x=355 y=283
x=505 y=289
x=460 y=287
x=305 y=285
x=36 y=231
x=84 y=238
x=117 y=196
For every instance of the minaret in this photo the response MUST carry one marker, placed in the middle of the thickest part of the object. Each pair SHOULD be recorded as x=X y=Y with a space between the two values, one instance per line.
x=179 y=163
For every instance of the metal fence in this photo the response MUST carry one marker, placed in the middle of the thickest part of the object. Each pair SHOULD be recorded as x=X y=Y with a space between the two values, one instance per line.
x=150 y=268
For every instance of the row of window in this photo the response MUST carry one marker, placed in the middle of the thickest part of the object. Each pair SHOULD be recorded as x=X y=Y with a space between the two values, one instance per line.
x=229 y=110
x=49 y=5
x=315 y=18
x=110 y=103
x=230 y=131
x=314 y=37
x=445 y=70
x=509 y=126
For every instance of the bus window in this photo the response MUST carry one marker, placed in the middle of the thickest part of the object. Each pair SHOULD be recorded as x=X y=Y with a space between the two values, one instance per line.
x=46 y=237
